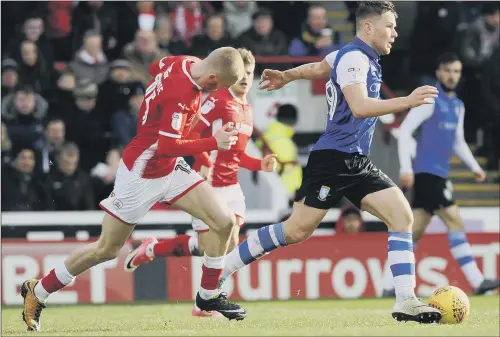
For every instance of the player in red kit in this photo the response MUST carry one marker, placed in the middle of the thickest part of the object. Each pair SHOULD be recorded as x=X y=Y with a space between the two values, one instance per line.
x=152 y=171
x=225 y=106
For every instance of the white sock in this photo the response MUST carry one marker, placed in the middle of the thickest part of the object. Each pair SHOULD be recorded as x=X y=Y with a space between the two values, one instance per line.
x=258 y=243
x=210 y=263
x=402 y=263
x=388 y=279
x=41 y=293
x=62 y=274
x=462 y=252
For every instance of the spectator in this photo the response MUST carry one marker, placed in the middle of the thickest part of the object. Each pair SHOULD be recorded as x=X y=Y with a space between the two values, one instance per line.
x=9 y=76
x=167 y=43
x=97 y=16
x=22 y=190
x=49 y=146
x=33 y=70
x=6 y=146
x=262 y=39
x=482 y=37
x=215 y=37
x=69 y=187
x=87 y=126
x=33 y=30
x=23 y=112
x=350 y=221
x=316 y=38
x=103 y=174
x=61 y=97
x=477 y=45
x=119 y=85
x=277 y=138
x=125 y=120
x=238 y=16
x=146 y=15
x=490 y=109
x=141 y=53
x=14 y=14
x=59 y=28
x=90 y=62
x=188 y=19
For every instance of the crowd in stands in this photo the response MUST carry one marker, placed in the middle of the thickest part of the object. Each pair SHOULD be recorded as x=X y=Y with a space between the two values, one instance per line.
x=74 y=76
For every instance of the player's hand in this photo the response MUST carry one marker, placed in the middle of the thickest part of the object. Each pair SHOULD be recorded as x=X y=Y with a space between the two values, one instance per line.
x=480 y=176
x=205 y=172
x=406 y=180
x=272 y=80
x=422 y=95
x=226 y=137
x=268 y=163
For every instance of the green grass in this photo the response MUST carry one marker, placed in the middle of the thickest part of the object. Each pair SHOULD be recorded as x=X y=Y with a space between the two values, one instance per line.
x=367 y=317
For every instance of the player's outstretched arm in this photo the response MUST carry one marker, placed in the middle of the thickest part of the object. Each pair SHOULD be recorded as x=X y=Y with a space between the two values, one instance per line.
x=275 y=79
x=363 y=106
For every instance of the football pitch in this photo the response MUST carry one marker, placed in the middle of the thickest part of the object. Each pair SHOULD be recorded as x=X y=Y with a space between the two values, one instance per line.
x=363 y=317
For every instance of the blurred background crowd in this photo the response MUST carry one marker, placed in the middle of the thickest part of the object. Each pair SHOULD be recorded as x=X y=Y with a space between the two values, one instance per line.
x=74 y=75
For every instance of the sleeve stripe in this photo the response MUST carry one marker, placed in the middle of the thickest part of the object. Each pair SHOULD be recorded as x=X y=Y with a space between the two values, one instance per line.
x=204 y=120
x=171 y=135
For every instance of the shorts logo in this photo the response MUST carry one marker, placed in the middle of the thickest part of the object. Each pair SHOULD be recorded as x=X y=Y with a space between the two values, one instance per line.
x=323 y=193
x=117 y=204
x=183 y=166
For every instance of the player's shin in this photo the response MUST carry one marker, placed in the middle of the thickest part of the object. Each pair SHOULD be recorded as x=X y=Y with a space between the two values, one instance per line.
x=255 y=246
x=402 y=264
x=461 y=251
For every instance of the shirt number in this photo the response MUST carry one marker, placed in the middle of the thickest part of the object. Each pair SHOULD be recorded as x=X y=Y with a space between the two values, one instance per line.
x=331 y=98
x=151 y=91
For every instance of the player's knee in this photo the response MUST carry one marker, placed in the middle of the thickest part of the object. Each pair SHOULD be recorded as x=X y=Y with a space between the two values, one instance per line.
x=296 y=232
x=223 y=223
x=107 y=252
x=402 y=221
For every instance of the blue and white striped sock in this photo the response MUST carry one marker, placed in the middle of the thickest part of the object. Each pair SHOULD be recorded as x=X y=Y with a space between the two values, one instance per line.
x=257 y=244
x=461 y=251
x=388 y=278
x=402 y=263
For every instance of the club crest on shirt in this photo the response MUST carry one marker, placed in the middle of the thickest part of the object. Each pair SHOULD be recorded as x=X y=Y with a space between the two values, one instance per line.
x=323 y=193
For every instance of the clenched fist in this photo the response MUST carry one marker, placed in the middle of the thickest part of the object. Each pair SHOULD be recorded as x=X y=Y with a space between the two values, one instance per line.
x=269 y=163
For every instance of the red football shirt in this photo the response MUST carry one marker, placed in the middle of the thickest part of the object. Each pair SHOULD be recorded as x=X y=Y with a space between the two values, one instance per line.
x=218 y=109
x=171 y=101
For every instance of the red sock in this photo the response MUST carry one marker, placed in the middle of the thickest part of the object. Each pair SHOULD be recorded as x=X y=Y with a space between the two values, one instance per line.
x=210 y=278
x=51 y=283
x=178 y=246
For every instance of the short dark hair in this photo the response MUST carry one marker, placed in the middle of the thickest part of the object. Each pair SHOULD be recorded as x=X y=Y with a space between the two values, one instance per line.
x=24 y=88
x=446 y=58
x=368 y=8
x=287 y=114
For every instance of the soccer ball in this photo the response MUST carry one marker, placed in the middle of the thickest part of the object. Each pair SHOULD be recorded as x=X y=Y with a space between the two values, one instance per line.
x=453 y=304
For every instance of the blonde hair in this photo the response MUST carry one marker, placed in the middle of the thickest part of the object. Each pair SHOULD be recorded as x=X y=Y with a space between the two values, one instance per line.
x=246 y=56
x=227 y=63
